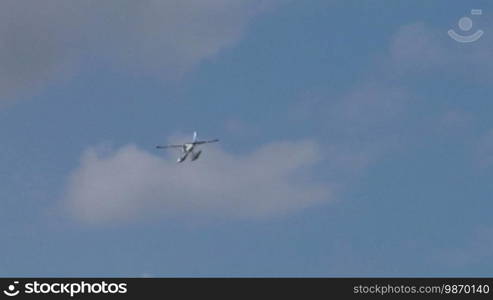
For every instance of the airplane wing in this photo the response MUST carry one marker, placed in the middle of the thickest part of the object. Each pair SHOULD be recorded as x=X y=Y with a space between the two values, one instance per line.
x=205 y=142
x=169 y=146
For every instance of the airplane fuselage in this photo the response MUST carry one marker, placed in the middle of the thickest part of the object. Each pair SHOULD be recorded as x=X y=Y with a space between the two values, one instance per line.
x=188 y=147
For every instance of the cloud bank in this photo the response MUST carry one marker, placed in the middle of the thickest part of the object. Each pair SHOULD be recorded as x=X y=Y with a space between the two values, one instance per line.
x=417 y=49
x=41 y=41
x=130 y=183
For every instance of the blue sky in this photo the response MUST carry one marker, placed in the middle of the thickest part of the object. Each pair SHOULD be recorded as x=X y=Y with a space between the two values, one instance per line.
x=356 y=138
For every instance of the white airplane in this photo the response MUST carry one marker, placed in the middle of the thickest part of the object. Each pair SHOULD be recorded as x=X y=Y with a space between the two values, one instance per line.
x=188 y=148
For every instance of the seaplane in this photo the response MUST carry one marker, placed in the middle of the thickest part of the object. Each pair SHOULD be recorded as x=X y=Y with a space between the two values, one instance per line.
x=189 y=149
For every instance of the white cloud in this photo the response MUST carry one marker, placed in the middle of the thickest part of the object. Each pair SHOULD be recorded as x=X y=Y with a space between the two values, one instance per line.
x=418 y=49
x=41 y=41
x=415 y=47
x=172 y=36
x=369 y=107
x=35 y=39
x=130 y=183
x=379 y=114
x=360 y=126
